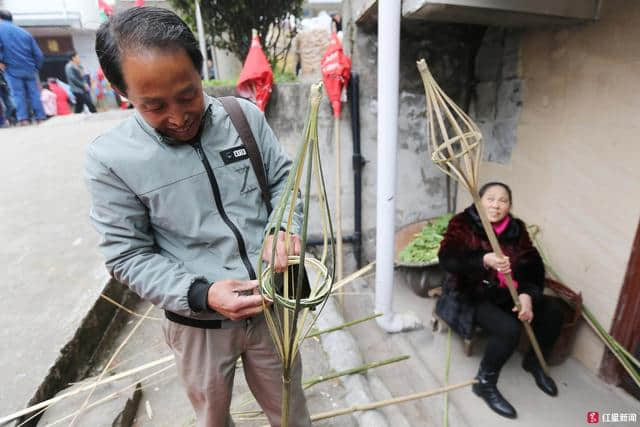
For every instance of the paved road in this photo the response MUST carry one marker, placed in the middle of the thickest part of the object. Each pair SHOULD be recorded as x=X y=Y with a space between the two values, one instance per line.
x=50 y=270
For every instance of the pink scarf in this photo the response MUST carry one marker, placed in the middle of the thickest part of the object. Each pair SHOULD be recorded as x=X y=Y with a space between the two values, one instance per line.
x=499 y=228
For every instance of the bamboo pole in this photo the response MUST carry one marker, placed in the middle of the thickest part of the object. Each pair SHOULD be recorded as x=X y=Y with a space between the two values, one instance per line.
x=445 y=421
x=394 y=401
x=338 y=212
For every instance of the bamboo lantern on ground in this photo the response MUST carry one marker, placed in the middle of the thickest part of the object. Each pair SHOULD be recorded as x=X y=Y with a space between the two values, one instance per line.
x=289 y=320
x=455 y=142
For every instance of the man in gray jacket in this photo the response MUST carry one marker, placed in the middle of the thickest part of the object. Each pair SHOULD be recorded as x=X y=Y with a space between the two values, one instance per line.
x=180 y=213
x=79 y=87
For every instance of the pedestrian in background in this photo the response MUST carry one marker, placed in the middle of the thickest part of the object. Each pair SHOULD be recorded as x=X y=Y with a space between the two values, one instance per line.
x=62 y=99
x=20 y=59
x=75 y=78
x=7 y=110
x=48 y=99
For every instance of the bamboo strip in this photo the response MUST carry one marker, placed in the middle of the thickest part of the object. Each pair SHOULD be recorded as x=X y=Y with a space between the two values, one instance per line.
x=394 y=401
x=353 y=276
x=344 y=325
x=306 y=384
x=107 y=398
x=158 y=381
x=108 y=380
x=115 y=354
x=363 y=368
x=122 y=307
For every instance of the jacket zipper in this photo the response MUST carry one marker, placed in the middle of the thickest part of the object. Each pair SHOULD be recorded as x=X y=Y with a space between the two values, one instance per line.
x=218 y=199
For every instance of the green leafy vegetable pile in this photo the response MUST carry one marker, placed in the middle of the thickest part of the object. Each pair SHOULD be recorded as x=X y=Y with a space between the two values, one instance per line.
x=424 y=247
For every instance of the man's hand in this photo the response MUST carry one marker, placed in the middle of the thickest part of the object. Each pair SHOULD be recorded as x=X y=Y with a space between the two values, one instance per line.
x=526 y=308
x=2 y=67
x=281 y=258
x=500 y=264
x=235 y=299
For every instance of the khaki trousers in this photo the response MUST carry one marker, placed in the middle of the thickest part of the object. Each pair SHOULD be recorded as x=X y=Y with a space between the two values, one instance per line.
x=206 y=362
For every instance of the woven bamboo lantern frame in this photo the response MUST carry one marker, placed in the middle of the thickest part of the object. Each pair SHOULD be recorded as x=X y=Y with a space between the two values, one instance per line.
x=455 y=142
x=289 y=320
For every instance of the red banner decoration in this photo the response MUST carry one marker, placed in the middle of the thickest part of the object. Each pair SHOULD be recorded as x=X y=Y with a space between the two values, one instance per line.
x=336 y=69
x=139 y=3
x=105 y=10
x=256 y=78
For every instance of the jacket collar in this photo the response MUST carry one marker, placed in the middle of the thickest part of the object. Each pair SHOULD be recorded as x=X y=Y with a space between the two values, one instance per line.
x=512 y=231
x=158 y=137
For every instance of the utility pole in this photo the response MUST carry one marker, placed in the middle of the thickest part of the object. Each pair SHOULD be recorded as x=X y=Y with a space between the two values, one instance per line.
x=203 y=46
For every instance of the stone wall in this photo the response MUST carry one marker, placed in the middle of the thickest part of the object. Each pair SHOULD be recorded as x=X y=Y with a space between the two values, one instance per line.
x=497 y=94
x=450 y=51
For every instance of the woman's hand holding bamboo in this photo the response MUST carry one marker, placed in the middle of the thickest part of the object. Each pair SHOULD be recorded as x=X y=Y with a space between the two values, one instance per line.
x=526 y=308
x=501 y=264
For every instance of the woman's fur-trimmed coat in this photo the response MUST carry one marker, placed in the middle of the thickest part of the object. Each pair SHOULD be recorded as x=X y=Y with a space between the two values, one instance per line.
x=468 y=281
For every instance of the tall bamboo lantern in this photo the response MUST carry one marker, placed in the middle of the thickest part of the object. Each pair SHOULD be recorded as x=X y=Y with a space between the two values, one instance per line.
x=288 y=319
x=455 y=142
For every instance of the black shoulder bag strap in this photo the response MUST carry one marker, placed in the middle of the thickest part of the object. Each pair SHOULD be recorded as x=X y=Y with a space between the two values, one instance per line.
x=239 y=120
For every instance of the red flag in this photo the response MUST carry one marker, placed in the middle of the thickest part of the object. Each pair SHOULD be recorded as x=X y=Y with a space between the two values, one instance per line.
x=256 y=78
x=336 y=69
x=139 y=3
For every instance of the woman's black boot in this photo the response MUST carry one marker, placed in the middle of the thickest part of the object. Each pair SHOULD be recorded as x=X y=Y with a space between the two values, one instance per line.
x=543 y=381
x=486 y=388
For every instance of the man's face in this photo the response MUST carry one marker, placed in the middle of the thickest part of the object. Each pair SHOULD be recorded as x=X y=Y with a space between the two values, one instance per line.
x=166 y=90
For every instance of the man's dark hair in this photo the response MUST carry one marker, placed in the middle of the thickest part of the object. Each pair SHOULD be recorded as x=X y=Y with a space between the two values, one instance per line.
x=488 y=185
x=5 y=15
x=140 y=29
x=72 y=54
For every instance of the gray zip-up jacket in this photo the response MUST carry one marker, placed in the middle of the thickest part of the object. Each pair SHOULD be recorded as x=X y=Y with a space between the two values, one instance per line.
x=74 y=78
x=173 y=215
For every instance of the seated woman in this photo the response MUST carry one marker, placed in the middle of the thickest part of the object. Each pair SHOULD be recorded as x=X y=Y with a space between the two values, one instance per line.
x=477 y=281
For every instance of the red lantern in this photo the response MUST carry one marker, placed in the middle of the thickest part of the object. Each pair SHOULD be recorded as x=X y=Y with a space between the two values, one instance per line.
x=336 y=69
x=256 y=77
